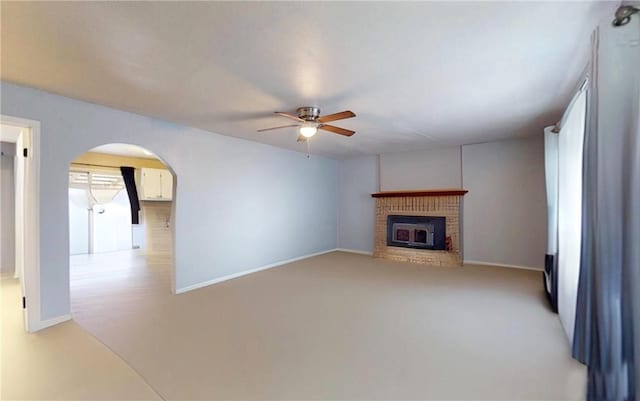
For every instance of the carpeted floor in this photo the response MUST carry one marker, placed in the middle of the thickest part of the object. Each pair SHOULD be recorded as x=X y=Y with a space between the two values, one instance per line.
x=336 y=326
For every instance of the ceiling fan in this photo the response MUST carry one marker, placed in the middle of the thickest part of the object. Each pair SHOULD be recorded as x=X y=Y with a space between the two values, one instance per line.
x=310 y=121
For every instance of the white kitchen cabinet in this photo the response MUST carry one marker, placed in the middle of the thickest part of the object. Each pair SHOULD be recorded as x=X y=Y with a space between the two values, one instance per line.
x=156 y=185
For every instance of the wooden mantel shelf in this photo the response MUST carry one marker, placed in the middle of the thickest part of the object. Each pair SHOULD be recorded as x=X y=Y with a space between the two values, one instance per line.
x=421 y=192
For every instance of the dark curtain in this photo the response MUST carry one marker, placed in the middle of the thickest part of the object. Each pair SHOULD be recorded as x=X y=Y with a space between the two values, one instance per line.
x=608 y=309
x=130 y=183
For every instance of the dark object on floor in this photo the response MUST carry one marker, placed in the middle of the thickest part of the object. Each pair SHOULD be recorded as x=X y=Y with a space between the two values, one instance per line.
x=550 y=280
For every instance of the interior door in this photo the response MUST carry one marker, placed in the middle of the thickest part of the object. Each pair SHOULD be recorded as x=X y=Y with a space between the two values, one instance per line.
x=21 y=200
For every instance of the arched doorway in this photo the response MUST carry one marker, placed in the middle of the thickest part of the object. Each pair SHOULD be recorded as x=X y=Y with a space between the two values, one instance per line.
x=121 y=215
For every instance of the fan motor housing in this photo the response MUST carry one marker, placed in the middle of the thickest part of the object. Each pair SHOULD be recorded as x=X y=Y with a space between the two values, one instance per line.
x=308 y=113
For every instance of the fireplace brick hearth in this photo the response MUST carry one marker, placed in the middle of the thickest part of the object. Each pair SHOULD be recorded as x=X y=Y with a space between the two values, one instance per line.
x=425 y=203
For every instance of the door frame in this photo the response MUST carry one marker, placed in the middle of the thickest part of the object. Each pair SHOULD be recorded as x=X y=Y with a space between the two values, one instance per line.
x=30 y=258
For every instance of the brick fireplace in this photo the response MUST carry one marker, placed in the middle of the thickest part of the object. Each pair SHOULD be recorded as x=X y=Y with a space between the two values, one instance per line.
x=419 y=226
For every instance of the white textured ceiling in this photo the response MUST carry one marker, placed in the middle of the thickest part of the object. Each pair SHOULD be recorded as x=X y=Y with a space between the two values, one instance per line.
x=418 y=75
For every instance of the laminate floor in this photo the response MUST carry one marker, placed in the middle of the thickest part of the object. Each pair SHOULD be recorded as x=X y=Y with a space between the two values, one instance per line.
x=63 y=362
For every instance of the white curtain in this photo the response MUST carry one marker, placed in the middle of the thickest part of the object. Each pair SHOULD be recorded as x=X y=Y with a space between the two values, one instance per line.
x=570 y=150
x=551 y=179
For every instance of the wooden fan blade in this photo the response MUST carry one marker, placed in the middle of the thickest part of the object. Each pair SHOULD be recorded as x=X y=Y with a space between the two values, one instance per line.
x=336 y=116
x=336 y=130
x=291 y=116
x=282 y=126
x=301 y=138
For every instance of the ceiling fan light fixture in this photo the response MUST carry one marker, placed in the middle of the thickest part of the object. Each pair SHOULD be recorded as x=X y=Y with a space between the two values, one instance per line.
x=309 y=121
x=308 y=130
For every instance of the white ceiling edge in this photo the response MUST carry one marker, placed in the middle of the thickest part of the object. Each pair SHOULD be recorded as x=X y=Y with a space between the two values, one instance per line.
x=9 y=133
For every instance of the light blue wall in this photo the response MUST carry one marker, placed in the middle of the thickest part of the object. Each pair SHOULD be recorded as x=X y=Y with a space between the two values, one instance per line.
x=421 y=169
x=504 y=213
x=239 y=205
x=7 y=210
x=358 y=179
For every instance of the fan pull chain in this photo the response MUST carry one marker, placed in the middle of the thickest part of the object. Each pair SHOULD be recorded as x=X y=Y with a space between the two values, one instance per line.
x=308 y=148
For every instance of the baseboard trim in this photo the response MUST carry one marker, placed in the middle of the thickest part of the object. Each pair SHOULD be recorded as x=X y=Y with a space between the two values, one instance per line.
x=477 y=262
x=246 y=272
x=43 y=324
x=354 y=251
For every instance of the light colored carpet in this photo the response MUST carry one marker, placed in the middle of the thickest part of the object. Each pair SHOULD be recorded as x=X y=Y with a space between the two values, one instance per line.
x=59 y=363
x=336 y=326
